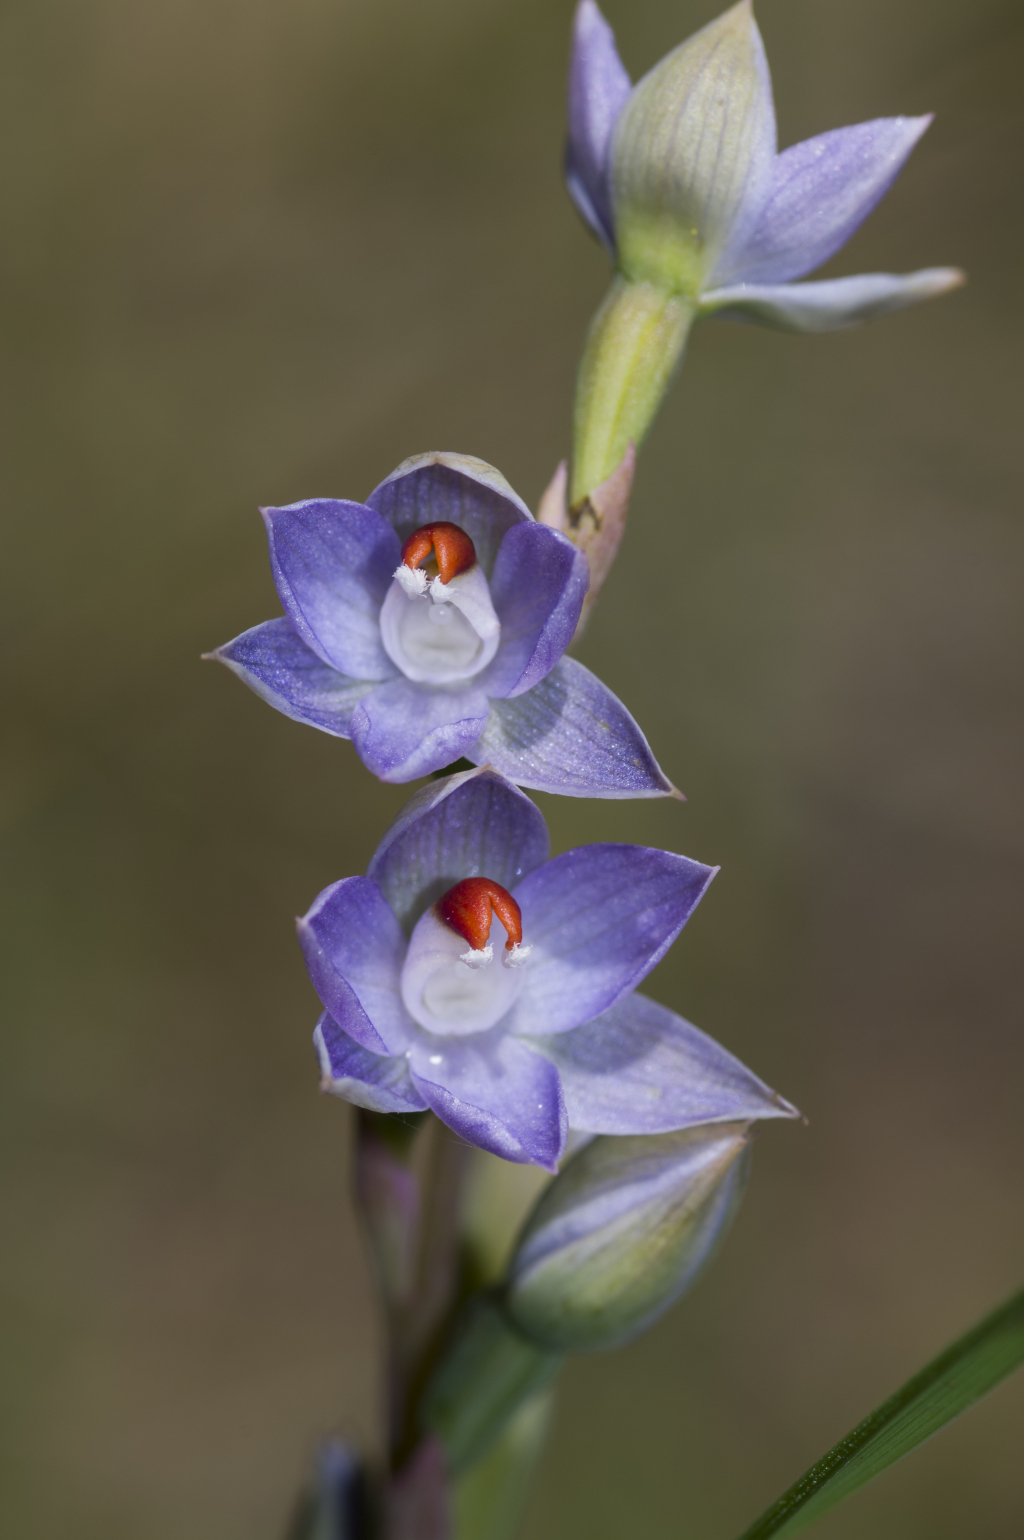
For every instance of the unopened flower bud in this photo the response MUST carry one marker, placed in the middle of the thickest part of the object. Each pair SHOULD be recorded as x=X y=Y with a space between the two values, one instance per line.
x=621 y=1232
x=680 y=178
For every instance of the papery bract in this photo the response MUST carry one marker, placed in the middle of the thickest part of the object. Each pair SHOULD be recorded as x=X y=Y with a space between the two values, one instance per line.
x=419 y=672
x=511 y=1048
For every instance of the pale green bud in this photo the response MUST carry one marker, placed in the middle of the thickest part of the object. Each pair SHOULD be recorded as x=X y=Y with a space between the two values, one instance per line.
x=621 y=1232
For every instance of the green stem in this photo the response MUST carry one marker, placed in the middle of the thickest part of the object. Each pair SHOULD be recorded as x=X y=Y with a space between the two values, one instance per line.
x=408 y=1186
x=492 y=1496
x=633 y=349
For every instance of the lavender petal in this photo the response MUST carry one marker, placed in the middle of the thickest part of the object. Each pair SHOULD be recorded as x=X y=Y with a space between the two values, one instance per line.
x=598 y=89
x=822 y=190
x=496 y=1093
x=474 y=824
x=570 y=735
x=830 y=304
x=380 y=1082
x=274 y=661
x=458 y=488
x=404 y=729
x=641 y=1069
x=538 y=585
x=332 y=564
x=354 y=948
x=598 y=919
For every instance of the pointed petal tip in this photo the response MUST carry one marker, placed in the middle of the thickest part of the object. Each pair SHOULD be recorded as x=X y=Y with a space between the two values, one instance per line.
x=743 y=12
x=787 y=1110
x=930 y=282
x=916 y=126
x=589 y=18
x=830 y=304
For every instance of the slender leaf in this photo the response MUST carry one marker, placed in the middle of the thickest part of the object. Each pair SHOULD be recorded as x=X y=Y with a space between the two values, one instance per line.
x=941 y=1391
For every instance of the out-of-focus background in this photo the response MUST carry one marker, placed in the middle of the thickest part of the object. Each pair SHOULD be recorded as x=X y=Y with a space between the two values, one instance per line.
x=252 y=252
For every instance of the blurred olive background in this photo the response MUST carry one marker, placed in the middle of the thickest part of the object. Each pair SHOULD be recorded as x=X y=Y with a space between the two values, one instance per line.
x=254 y=251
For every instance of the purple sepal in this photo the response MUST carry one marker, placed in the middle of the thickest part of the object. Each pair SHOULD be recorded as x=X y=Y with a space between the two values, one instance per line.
x=475 y=824
x=822 y=189
x=497 y=1093
x=571 y=736
x=332 y=564
x=537 y=588
x=829 y=304
x=459 y=488
x=403 y=729
x=377 y=1081
x=598 y=919
x=598 y=89
x=274 y=661
x=641 y=1069
x=354 y=948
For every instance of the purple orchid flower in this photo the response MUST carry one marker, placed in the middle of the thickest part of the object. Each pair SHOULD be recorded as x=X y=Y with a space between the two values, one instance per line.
x=680 y=178
x=420 y=666
x=470 y=974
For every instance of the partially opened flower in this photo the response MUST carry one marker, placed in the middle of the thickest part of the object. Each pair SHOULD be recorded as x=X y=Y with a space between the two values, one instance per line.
x=429 y=624
x=680 y=178
x=468 y=973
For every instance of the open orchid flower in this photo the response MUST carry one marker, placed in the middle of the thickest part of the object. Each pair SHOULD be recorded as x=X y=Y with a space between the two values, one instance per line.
x=429 y=624
x=680 y=177
x=468 y=973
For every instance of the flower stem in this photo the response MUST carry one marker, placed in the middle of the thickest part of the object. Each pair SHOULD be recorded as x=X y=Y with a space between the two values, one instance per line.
x=408 y=1187
x=633 y=349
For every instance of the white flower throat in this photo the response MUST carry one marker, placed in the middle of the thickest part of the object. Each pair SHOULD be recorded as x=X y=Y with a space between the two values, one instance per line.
x=438 y=631
x=452 y=983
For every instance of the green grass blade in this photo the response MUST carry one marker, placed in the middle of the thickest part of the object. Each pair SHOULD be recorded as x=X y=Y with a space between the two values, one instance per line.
x=943 y=1389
